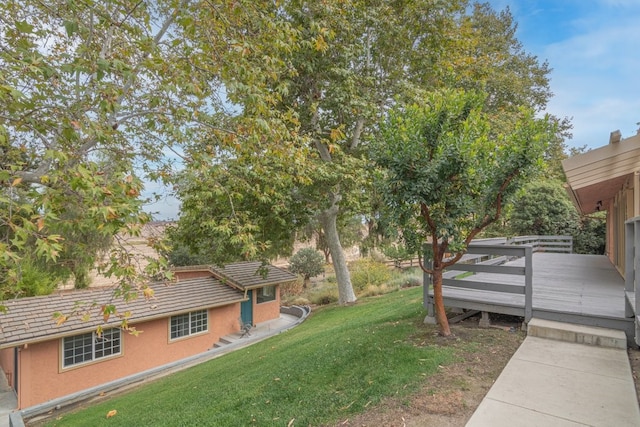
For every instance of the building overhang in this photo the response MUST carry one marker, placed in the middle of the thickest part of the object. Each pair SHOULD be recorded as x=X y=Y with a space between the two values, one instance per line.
x=595 y=177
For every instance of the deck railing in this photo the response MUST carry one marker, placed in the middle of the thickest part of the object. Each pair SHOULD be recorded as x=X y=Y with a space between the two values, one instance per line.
x=489 y=255
x=560 y=244
x=632 y=272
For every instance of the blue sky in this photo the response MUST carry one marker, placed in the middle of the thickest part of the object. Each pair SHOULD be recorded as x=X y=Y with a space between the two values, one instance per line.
x=593 y=48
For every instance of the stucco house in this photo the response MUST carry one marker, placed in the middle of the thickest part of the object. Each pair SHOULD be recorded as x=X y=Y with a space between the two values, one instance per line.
x=45 y=361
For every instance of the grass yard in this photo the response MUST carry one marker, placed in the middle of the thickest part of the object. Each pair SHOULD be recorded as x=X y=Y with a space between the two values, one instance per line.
x=341 y=361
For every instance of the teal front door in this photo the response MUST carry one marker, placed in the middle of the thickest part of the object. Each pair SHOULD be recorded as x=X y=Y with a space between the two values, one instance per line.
x=246 y=309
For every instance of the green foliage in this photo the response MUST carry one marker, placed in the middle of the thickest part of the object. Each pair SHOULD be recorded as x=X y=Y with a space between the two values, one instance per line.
x=337 y=363
x=179 y=255
x=365 y=272
x=92 y=91
x=324 y=296
x=592 y=236
x=406 y=278
x=88 y=93
x=315 y=92
x=543 y=208
x=230 y=212
x=308 y=262
x=398 y=253
x=31 y=280
x=448 y=172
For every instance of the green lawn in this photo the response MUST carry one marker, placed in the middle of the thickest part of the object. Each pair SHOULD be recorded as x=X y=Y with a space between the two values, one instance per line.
x=338 y=362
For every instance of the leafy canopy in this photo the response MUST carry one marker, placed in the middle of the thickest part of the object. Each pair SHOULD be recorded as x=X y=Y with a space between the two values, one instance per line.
x=448 y=171
x=308 y=262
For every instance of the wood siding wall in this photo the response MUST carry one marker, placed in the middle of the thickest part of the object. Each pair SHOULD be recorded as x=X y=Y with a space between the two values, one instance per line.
x=623 y=207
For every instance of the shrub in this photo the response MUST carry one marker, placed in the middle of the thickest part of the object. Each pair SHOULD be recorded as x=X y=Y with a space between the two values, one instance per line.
x=366 y=272
x=397 y=253
x=373 y=290
x=307 y=262
x=292 y=289
x=406 y=280
x=34 y=281
x=324 y=296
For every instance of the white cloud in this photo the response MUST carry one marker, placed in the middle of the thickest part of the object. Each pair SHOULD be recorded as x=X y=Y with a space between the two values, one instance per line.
x=594 y=81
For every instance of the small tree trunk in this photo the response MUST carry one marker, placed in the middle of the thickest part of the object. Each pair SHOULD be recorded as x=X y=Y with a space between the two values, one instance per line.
x=327 y=254
x=328 y=220
x=441 y=315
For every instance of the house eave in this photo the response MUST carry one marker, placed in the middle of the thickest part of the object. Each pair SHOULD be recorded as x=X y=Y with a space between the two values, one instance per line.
x=596 y=176
x=92 y=327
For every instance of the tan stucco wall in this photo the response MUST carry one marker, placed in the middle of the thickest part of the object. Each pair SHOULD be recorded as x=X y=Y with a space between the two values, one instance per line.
x=266 y=310
x=43 y=379
x=6 y=363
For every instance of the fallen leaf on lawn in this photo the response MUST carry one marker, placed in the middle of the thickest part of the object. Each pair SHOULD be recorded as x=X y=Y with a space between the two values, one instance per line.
x=291 y=422
x=112 y=413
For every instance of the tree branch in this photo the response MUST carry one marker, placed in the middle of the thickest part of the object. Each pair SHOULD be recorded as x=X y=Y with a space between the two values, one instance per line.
x=486 y=221
x=322 y=148
x=357 y=132
x=113 y=119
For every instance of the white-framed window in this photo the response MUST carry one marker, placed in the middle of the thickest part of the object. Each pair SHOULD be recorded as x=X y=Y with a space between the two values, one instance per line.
x=88 y=347
x=183 y=325
x=266 y=294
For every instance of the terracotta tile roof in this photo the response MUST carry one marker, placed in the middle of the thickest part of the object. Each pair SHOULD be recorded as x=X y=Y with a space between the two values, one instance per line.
x=31 y=319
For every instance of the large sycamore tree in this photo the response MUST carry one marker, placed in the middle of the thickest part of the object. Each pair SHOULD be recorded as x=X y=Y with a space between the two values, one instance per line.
x=348 y=62
x=449 y=170
x=86 y=90
x=95 y=97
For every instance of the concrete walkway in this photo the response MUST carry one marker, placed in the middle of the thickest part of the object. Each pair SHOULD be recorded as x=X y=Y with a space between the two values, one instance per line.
x=8 y=400
x=549 y=382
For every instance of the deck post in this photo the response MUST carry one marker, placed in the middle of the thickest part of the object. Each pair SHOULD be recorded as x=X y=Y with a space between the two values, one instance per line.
x=528 y=283
x=629 y=266
x=427 y=281
x=636 y=269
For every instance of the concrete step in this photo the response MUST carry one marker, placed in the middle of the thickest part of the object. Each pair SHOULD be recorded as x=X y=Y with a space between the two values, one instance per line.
x=222 y=342
x=569 y=332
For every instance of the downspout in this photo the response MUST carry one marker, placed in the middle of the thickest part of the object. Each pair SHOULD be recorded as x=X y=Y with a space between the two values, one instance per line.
x=18 y=376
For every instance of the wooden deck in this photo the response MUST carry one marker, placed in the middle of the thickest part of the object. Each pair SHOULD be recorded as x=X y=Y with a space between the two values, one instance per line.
x=582 y=289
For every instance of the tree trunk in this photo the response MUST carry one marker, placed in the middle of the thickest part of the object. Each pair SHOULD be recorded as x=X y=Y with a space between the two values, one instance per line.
x=328 y=220
x=441 y=315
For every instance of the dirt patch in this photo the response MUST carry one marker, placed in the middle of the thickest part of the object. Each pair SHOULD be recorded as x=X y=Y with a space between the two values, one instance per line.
x=450 y=397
